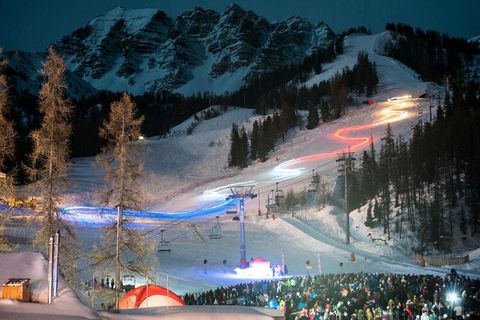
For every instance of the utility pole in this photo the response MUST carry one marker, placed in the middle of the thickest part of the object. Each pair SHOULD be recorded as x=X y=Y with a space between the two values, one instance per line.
x=346 y=162
x=50 y=269
x=117 y=258
x=242 y=192
x=56 y=261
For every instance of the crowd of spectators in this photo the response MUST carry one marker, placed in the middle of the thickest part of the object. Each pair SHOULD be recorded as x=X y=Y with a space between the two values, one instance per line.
x=362 y=296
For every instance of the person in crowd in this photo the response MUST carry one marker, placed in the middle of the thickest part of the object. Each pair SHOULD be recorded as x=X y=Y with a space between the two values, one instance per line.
x=362 y=296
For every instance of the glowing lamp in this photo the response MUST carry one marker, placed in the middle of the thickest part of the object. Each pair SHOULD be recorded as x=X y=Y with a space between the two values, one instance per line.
x=452 y=297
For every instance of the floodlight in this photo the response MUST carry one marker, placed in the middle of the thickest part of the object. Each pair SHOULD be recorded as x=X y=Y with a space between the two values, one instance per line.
x=452 y=297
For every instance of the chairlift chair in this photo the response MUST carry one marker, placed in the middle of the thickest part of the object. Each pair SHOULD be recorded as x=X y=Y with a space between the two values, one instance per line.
x=232 y=209
x=278 y=196
x=165 y=246
x=271 y=204
x=315 y=178
x=278 y=193
x=216 y=231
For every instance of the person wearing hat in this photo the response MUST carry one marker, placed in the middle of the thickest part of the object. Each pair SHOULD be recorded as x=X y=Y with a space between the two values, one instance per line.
x=458 y=311
x=425 y=315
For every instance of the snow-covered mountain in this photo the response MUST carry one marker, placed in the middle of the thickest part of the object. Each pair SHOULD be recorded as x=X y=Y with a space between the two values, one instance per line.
x=200 y=50
x=24 y=74
x=475 y=39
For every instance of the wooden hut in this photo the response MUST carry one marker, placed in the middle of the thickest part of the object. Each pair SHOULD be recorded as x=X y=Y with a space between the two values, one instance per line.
x=16 y=289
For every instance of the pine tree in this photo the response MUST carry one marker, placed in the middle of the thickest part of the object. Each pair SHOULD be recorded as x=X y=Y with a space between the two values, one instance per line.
x=338 y=95
x=369 y=222
x=262 y=145
x=266 y=138
x=325 y=111
x=373 y=164
x=276 y=130
x=49 y=161
x=243 y=158
x=377 y=212
x=288 y=115
x=7 y=150
x=447 y=104
x=385 y=189
x=435 y=225
x=290 y=200
x=463 y=221
x=389 y=149
x=312 y=119
x=254 y=141
x=372 y=80
x=235 y=147
x=122 y=246
x=367 y=178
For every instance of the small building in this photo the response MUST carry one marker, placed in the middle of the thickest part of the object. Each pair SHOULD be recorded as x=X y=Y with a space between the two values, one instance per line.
x=16 y=289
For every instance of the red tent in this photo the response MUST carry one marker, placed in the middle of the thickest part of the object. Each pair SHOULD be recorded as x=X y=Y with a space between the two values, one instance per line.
x=153 y=296
x=260 y=260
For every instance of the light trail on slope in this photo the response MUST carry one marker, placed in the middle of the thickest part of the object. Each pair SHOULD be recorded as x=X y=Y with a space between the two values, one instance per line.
x=394 y=112
x=223 y=192
x=102 y=215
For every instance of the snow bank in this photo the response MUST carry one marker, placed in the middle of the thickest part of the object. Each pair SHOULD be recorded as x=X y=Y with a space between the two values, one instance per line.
x=33 y=265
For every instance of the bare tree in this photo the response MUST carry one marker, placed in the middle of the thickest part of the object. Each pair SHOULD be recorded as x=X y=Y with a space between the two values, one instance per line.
x=7 y=150
x=122 y=246
x=49 y=158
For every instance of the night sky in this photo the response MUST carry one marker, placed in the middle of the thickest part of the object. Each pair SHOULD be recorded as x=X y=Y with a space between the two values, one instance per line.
x=31 y=25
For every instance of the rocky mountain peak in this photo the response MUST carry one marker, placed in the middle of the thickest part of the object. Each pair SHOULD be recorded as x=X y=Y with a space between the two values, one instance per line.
x=140 y=50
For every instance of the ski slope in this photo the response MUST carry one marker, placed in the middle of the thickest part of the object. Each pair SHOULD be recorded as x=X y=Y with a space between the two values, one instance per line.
x=188 y=173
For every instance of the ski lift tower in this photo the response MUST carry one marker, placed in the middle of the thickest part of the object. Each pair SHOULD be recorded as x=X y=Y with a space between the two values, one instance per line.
x=242 y=192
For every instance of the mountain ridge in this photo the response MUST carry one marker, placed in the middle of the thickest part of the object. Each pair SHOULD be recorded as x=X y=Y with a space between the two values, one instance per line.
x=145 y=50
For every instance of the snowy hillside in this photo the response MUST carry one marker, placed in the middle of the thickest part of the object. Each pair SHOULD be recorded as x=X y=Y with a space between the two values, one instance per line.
x=200 y=50
x=395 y=77
x=189 y=172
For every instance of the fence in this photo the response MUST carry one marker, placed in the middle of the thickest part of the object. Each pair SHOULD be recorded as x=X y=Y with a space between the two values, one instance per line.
x=438 y=261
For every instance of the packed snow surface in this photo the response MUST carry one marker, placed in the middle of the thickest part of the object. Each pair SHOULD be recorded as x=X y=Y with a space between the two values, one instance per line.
x=188 y=172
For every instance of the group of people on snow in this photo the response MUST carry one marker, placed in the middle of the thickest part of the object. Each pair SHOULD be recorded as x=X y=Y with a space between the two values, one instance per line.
x=362 y=296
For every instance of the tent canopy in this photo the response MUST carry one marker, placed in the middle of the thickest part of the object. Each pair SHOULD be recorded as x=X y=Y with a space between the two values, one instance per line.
x=151 y=296
x=260 y=260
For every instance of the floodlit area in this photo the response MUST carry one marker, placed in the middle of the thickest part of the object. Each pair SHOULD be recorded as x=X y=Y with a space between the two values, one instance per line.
x=194 y=222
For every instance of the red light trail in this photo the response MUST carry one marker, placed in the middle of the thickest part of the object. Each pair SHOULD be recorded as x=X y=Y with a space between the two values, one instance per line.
x=394 y=112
